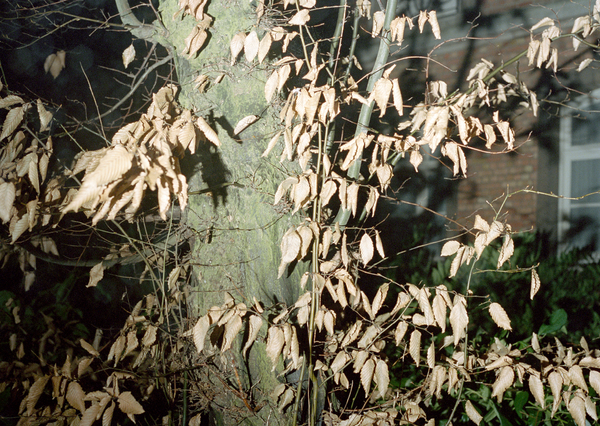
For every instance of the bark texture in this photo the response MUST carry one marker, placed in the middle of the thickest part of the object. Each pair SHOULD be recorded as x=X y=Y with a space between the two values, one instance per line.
x=238 y=230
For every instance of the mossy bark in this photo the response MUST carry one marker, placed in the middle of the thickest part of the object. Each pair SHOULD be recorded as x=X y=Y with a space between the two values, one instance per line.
x=238 y=230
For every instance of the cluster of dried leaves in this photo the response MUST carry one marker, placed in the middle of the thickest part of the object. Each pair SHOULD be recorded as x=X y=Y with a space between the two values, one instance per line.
x=418 y=317
x=145 y=154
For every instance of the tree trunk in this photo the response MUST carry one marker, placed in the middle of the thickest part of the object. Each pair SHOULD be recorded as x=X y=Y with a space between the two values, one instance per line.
x=238 y=230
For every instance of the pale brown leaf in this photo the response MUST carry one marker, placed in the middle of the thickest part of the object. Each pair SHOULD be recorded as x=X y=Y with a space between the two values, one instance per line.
x=251 y=44
x=7 y=199
x=128 y=55
x=254 y=324
x=459 y=319
x=382 y=378
x=367 y=248
x=537 y=390
x=450 y=248
x=35 y=391
x=199 y=332
x=244 y=123
x=499 y=316
x=472 y=413
x=89 y=348
x=504 y=380
x=400 y=331
x=415 y=346
x=300 y=18
x=232 y=328
x=264 y=47
x=96 y=274
x=12 y=121
x=75 y=396
x=236 y=45
x=55 y=63
x=210 y=134
x=366 y=374
x=128 y=404
x=535 y=284
x=275 y=342
x=577 y=409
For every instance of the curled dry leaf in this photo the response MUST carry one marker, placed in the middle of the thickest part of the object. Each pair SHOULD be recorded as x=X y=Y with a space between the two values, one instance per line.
x=96 y=274
x=535 y=283
x=35 y=392
x=472 y=413
x=499 y=316
x=300 y=18
x=366 y=248
x=275 y=342
x=55 y=63
x=504 y=380
x=382 y=378
x=236 y=45
x=251 y=45
x=537 y=390
x=128 y=404
x=415 y=347
x=128 y=55
x=366 y=374
x=255 y=323
x=75 y=396
x=244 y=123
x=12 y=121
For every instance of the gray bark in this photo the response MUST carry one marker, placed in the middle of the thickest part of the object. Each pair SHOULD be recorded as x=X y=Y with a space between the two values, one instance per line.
x=238 y=230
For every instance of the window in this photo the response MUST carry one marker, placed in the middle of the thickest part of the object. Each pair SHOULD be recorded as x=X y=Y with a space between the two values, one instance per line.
x=442 y=7
x=579 y=173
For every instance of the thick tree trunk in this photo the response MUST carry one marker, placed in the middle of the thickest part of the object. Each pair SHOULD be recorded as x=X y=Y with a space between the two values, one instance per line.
x=238 y=230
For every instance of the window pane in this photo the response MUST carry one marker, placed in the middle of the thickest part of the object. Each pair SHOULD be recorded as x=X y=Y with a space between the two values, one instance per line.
x=585 y=179
x=585 y=227
x=585 y=126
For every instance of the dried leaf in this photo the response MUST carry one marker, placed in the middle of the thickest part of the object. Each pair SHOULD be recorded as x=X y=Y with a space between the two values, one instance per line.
x=415 y=346
x=236 y=45
x=75 y=396
x=35 y=391
x=300 y=18
x=96 y=274
x=459 y=319
x=264 y=47
x=535 y=284
x=12 y=121
x=254 y=324
x=7 y=199
x=577 y=409
x=378 y=20
x=210 y=134
x=537 y=390
x=366 y=374
x=89 y=348
x=128 y=404
x=450 y=248
x=55 y=63
x=504 y=380
x=251 y=44
x=366 y=248
x=472 y=413
x=199 y=332
x=382 y=378
x=244 y=123
x=400 y=331
x=232 y=328
x=499 y=316
x=435 y=27
x=275 y=342
x=128 y=55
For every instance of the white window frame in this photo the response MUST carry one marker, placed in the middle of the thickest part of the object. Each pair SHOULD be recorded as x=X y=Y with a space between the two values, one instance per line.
x=568 y=153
